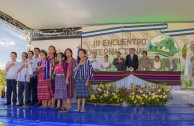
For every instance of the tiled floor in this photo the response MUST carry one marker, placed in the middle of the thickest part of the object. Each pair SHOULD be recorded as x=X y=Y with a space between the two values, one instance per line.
x=99 y=115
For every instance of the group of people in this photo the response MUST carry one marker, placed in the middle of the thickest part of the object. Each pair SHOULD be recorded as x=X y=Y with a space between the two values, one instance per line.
x=132 y=63
x=48 y=79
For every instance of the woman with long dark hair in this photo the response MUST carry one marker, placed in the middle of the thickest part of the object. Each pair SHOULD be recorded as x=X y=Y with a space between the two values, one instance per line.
x=83 y=73
x=61 y=73
x=44 y=85
x=70 y=87
x=52 y=60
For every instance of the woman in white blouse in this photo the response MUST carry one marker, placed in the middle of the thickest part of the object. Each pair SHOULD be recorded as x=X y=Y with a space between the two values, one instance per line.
x=157 y=64
x=106 y=65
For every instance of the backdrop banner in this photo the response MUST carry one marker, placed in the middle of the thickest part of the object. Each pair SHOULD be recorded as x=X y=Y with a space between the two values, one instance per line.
x=156 y=38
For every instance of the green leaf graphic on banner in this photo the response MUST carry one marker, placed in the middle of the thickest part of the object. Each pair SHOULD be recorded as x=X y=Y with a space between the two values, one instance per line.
x=163 y=44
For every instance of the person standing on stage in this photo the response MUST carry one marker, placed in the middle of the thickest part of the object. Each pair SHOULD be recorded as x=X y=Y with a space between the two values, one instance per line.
x=45 y=93
x=31 y=62
x=34 y=79
x=61 y=73
x=11 y=75
x=119 y=62
x=132 y=60
x=83 y=73
x=144 y=62
x=52 y=61
x=157 y=64
x=70 y=87
x=106 y=65
x=95 y=61
x=171 y=64
x=24 y=74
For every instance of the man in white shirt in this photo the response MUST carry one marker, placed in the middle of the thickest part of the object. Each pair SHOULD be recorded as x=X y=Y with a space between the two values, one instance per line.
x=95 y=61
x=24 y=74
x=11 y=74
x=34 y=79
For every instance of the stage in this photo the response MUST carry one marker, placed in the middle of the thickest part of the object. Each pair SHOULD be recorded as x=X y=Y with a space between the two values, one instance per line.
x=103 y=115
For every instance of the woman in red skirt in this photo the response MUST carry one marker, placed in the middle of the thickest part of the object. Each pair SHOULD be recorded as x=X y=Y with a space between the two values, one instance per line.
x=44 y=85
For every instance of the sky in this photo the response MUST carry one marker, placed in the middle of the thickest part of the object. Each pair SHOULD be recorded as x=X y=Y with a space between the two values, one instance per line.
x=10 y=41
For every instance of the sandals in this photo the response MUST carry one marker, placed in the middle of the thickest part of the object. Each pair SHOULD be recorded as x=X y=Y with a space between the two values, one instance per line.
x=82 y=110
x=77 y=110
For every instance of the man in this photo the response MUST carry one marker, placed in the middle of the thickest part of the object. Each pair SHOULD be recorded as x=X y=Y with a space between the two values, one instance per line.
x=11 y=74
x=119 y=62
x=171 y=64
x=95 y=61
x=24 y=74
x=132 y=60
x=30 y=61
x=34 y=79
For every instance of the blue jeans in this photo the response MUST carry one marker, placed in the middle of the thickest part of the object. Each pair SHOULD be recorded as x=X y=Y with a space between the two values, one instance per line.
x=11 y=91
x=21 y=87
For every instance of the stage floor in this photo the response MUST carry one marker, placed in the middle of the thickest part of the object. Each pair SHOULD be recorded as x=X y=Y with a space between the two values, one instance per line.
x=98 y=115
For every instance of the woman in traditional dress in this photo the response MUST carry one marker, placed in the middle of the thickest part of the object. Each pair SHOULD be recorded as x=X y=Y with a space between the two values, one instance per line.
x=83 y=73
x=61 y=80
x=44 y=86
x=157 y=64
x=70 y=87
x=52 y=60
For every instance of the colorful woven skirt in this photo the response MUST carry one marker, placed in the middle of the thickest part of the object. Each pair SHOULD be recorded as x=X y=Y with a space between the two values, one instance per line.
x=82 y=90
x=44 y=88
x=60 y=87
x=70 y=87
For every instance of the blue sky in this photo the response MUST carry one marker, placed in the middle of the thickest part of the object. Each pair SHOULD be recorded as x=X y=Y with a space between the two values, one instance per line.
x=10 y=41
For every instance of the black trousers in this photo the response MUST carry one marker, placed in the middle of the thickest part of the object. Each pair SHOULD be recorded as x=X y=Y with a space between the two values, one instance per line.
x=33 y=90
x=11 y=91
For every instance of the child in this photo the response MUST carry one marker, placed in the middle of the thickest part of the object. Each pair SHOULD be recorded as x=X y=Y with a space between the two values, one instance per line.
x=24 y=75
x=11 y=74
x=44 y=86
x=83 y=73
x=61 y=80
x=70 y=87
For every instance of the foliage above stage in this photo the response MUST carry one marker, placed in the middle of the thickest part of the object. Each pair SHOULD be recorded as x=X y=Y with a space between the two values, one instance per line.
x=136 y=95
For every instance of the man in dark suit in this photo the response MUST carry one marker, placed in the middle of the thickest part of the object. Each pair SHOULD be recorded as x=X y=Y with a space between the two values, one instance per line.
x=132 y=60
x=119 y=62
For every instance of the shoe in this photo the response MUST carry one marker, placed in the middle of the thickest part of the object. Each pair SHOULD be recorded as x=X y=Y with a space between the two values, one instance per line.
x=26 y=106
x=7 y=103
x=13 y=104
x=58 y=108
x=77 y=110
x=63 y=110
x=19 y=105
x=82 y=110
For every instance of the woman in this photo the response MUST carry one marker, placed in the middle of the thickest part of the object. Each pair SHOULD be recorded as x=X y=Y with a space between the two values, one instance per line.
x=70 y=87
x=157 y=64
x=44 y=86
x=52 y=61
x=106 y=65
x=61 y=80
x=83 y=73
x=144 y=62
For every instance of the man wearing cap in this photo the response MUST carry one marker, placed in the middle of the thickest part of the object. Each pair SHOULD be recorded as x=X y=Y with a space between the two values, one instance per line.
x=171 y=64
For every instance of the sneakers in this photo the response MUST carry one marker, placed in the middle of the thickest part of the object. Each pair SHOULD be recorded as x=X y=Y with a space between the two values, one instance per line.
x=13 y=104
x=7 y=103
x=19 y=105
